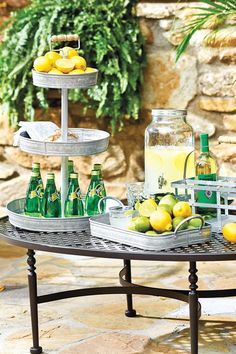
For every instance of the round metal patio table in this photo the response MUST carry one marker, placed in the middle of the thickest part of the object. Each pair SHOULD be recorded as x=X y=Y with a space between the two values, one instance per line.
x=83 y=244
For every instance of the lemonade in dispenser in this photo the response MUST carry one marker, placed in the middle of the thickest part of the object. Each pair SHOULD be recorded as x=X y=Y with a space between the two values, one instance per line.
x=169 y=150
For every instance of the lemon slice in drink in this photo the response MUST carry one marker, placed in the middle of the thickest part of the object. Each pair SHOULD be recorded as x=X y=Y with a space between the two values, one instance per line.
x=147 y=207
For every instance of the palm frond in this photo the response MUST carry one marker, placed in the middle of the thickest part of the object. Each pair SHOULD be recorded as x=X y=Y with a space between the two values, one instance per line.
x=211 y=16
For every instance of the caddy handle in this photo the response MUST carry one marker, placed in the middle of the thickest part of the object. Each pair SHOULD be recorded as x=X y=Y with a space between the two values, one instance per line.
x=188 y=219
x=64 y=38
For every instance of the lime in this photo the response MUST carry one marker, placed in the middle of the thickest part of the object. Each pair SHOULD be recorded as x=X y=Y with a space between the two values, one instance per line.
x=177 y=220
x=165 y=207
x=142 y=224
x=190 y=227
x=147 y=207
x=169 y=199
x=151 y=232
x=137 y=205
x=165 y=233
x=196 y=222
x=131 y=225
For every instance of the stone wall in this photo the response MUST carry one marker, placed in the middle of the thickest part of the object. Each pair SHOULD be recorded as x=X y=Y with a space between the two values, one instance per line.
x=203 y=81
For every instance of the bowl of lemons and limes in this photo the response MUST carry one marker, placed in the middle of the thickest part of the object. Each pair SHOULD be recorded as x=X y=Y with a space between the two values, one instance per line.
x=165 y=217
x=65 y=62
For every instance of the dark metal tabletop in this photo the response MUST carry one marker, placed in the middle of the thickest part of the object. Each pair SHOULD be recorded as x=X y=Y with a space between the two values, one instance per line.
x=82 y=243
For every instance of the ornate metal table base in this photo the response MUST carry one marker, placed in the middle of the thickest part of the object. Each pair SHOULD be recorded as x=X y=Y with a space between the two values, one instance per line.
x=82 y=243
x=128 y=288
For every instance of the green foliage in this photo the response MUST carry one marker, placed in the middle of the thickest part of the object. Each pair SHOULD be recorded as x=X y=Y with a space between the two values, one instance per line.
x=110 y=39
x=212 y=16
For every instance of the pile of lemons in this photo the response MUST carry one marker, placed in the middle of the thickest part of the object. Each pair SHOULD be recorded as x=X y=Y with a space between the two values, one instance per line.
x=162 y=218
x=67 y=61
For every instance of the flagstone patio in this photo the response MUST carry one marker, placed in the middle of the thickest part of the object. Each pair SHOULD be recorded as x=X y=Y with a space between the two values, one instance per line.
x=97 y=325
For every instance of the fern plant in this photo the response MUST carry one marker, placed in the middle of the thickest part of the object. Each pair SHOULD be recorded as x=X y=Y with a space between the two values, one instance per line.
x=213 y=16
x=111 y=41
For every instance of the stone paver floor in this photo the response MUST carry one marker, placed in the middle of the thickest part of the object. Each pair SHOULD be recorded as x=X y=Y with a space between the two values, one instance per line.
x=96 y=324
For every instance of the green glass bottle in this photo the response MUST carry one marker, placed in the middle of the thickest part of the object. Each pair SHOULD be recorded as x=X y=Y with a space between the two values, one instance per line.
x=70 y=167
x=206 y=170
x=74 y=204
x=51 y=202
x=32 y=201
x=40 y=188
x=94 y=194
x=98 y=167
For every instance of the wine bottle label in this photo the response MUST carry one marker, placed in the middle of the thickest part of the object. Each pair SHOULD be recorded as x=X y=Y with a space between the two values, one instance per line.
x=206 y=196
x=53 y=197
x=33 y=194
x=98 y=190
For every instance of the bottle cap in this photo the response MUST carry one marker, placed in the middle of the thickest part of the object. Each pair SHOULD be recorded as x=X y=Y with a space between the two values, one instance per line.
x=35 y=165
x=204 y=142
x=34 y=174
x=97 y=166
x=70 y=162
x=50 y=175
x=73 y=175
x=95 y=173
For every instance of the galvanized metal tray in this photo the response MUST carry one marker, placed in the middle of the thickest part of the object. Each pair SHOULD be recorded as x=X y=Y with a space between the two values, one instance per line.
x=15 y=210
x=100 y=227
x=66 y=81
x=90 y=142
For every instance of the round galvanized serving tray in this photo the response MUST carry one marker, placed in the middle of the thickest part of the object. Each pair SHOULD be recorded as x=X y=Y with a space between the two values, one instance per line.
x=66 y=81
x=90 y=142
x=17 y=218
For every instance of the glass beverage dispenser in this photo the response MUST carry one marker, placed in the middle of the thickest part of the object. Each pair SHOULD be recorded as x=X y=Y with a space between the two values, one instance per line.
x=169 y=150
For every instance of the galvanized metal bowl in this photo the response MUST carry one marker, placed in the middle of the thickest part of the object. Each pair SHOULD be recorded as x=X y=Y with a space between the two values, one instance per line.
x=66 y=81
x=90 y=142
x=15 y=210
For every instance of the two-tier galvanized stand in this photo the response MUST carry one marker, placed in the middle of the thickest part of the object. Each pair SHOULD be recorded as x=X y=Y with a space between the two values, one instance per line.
x=90 y=141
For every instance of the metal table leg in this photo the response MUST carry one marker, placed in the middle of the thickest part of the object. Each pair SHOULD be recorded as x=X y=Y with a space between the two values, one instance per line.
x=32 y=281
x=130 y=312
x=193 y=307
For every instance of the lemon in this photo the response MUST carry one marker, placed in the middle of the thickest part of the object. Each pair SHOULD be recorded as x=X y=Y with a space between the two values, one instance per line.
x=229 y=232
x=76 y=72
x=147 y=207
x=80 y=62
x=90 y=70
x=42 y=64
x=52 y=57
x=68 y=52
x=182 y=209
x=65 y=65
x=161 y=221
x=177 y=220
x=55 y=71
x=142 y=224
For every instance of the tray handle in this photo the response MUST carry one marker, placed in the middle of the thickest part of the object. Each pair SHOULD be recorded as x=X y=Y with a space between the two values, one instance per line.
x=107 y=198
x=188 y=219
x=64 y=38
